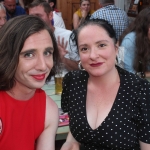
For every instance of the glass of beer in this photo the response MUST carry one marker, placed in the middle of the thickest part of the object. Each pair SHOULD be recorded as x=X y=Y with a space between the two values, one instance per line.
x=59 y=77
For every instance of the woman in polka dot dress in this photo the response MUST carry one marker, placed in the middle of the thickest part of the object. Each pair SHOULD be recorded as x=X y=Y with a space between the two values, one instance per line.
x=109 y=108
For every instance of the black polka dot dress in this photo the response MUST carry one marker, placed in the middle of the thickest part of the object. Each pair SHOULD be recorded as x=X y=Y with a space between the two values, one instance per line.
x=127 y=122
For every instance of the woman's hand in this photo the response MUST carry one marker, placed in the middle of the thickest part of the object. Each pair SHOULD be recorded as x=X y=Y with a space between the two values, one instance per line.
x=70 y=146
x=62 y=45
x=84 y=13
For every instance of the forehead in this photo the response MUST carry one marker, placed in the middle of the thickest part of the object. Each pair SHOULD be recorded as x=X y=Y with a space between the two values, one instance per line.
x=36 y=10
x=93 y=33
x=10 y=2
x=85 y=2
x=39 y=40
x=93 y=27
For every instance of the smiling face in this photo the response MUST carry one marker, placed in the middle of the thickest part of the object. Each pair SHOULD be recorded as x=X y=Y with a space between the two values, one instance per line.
x=97 y=50
x=85 y=5
x=35 y=61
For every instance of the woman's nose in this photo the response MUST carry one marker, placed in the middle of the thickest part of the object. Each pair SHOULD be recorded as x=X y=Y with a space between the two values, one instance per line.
x=94 y=53
x=41 y=63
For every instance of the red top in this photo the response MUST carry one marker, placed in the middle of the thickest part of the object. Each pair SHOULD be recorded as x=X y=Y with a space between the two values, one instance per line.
x=21 y=122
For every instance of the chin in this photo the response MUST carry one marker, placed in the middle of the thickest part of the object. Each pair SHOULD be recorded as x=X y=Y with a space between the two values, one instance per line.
x=38 y=85
x=96 y=74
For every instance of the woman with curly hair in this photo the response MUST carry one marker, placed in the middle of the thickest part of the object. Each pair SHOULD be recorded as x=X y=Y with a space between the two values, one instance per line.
x=136 y=43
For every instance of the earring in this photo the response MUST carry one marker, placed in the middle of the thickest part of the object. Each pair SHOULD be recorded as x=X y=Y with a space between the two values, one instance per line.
x=80 y=67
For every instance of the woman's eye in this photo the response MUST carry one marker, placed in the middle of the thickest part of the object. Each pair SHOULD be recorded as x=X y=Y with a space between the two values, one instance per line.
x=47 y=53
x=28 y=55
x=102 y=45
x=83 y=49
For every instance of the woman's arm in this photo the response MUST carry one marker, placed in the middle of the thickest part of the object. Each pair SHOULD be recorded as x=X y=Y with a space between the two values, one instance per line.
x=144 y=146
x=76 y=20
x=46 y=141
x=147 y=74
x=71 y=143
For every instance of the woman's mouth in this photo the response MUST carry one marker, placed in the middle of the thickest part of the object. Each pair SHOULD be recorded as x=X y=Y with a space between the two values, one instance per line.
x=39 y=77
x=96 y=64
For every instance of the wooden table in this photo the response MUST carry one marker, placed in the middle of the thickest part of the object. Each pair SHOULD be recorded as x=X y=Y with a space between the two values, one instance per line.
x=50 y=91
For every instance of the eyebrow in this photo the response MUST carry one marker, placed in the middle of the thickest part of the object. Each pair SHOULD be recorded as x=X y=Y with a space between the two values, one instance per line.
x=33 y=50
x=49 y=49
x=96 y=42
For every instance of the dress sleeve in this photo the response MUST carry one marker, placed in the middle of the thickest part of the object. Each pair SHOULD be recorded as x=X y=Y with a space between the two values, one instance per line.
x=65 y=92
x=143 y=115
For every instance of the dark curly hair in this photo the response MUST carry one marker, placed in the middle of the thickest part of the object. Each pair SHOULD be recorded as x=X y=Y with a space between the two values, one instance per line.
x=140 y=26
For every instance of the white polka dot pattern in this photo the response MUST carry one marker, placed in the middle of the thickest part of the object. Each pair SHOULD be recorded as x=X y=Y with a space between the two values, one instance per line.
x=126 y=124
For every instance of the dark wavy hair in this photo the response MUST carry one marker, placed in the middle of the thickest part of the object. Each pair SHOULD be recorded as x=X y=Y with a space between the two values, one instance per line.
x=140 y=26
x=99 y=22
x=12 y=38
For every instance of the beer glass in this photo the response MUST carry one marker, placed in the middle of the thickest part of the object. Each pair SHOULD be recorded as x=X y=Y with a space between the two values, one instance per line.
x=59 y=77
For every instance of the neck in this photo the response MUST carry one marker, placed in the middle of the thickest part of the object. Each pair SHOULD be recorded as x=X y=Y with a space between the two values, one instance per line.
x=20 y=93
x=105 y=80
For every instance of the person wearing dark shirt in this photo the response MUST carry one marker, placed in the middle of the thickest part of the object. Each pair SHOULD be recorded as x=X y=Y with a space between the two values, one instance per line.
x=12 y=10
x=108 y=107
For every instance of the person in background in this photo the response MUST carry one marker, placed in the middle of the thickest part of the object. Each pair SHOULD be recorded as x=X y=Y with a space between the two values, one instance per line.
x=28 y=117
x=108 y=107
x=2 y=15
x=21 y=3
x=57 y=17
x=83 y=13
x=69 y=57
x=136 y=43
x=115 y=16
x=12 y=10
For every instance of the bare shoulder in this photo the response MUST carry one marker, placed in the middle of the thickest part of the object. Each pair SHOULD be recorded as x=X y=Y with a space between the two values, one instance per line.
x=51 y=116
x=75 y=15
x=50 y=103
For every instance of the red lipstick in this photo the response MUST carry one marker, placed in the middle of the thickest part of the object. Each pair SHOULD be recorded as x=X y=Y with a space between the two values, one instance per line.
x=39 y=77
x=96 y=64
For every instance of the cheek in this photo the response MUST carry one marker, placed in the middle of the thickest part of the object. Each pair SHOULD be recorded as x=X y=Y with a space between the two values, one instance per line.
x=49 y=63
x=84 y=59
x=111 y=55
x=25 y=65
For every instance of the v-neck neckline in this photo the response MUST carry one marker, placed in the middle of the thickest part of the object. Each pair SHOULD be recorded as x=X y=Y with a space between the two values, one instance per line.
x=110 y=112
